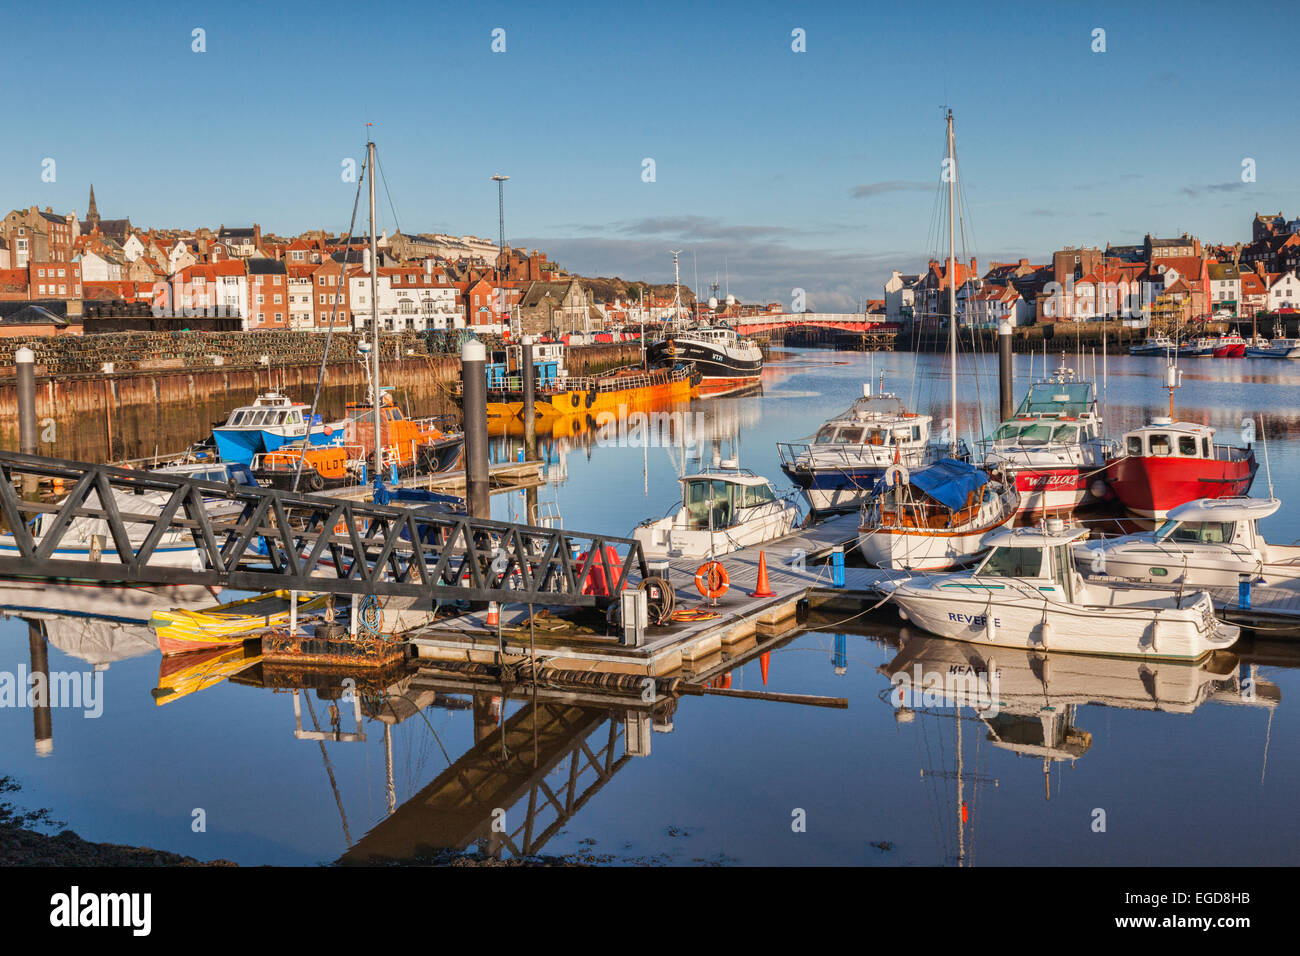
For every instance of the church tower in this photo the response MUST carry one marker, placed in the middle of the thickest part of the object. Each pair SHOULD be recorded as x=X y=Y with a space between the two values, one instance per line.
x=92 y=214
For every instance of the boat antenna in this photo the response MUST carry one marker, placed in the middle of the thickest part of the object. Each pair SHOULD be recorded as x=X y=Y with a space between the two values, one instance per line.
x=677 y=287
x=1268 y=472
x=1173 y=380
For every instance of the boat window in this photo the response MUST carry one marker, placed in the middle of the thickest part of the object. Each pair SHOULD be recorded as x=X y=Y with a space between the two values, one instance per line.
x=295 y=418
x=1197 y=532
x=1205 y=448
x=1065 y=435
x=396 y=414
x=1159 y=444
x=1013 y=563
x=852 y=436
x=916 y=433
x=1037 y=434
x=756 y=495
x=1135 y=445
x=1187 y=446
x=826 y=435
x=1008 y=431
x=1061 y=570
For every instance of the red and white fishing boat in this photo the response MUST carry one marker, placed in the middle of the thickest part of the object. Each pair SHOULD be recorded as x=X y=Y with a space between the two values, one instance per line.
x=1167 y=463
x=1052 y=450
x=1230 y=345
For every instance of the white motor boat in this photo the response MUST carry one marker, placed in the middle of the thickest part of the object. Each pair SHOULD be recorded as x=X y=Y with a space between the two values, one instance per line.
x=1028 y=593
x=1209 y=542
x=1052 y=449
x=1280 y=347
x=840 y=465
x=933 y=519
x=722 y=510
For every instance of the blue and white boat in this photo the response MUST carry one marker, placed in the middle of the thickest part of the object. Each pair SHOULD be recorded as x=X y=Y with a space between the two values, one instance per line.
x=273 y=420
x=840 y=465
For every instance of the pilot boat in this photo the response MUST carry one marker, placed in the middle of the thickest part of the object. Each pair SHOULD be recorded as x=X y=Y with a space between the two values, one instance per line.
x=1052 y=449
x=1210 y=542
x=408 y=446
x=722 y=510
x=273 y=420
x=933 y=519
x=840 y=465
x=1028 y=593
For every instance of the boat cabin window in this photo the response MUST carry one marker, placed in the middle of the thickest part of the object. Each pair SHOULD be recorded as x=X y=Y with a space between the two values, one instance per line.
x=1205 y=448
x=1159 y=444
x=755 y=495
x=1187 y=446
x=1013 y=563
x=826 y=435
x=1061 y=565
x=1135 y=446
x=709 y=501
x=851 y=436
x=1197 y=532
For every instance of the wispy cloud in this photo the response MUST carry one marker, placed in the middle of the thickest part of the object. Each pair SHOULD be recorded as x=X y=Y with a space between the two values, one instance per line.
x=868 y=190
x=1213 y=188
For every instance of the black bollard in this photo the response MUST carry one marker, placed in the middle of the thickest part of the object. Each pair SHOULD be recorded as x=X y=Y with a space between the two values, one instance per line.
x=1006 y=403
x=529 y=375
x=473 y=376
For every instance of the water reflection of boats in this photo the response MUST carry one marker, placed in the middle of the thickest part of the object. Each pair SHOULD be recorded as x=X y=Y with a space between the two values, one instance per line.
x=1028 y=703
x=131 y=605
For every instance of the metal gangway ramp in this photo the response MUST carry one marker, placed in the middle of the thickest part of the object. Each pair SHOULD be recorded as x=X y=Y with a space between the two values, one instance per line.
x=262 y=539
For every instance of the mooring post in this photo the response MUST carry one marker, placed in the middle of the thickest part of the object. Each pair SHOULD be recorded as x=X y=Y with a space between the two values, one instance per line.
x=25 y=367
x=473 y=376
x=1006 y=404
x=529 y=374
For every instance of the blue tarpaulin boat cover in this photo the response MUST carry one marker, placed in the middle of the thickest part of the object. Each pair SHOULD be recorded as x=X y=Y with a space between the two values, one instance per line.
x=949 y=482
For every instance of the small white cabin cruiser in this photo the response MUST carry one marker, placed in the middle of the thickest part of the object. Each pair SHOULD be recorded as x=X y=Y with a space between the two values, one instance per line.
x=1209 y=542
x=723 y=510
x=1027 y=593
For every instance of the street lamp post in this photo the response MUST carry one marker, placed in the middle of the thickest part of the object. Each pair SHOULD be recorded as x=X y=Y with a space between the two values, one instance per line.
x=501 y=221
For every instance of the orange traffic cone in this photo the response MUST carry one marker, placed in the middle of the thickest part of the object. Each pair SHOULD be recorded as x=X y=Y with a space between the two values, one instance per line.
x=763 y=663
x=494 y=614
x=764 y=590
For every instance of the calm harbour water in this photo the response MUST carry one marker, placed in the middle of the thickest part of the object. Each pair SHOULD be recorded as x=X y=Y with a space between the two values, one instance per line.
x=1185 y=768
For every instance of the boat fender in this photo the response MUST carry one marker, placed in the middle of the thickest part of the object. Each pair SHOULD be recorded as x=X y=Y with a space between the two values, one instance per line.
x=1099 y=488
x=575 y=400
x=591 y=398
x=1045 y=633
x=712 y=580
x=315 y=482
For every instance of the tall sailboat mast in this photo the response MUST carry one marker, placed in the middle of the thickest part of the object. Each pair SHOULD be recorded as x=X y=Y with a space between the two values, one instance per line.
x=374 y=313
x=677 y=288
x=951 y=174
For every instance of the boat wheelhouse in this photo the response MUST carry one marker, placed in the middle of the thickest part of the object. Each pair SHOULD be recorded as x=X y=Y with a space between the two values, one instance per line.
x=1202 y=346
x=1028 y=593
x=1280 y=346
x=839 y=466
x=722 y=510
x=933 y=519
x=1052 y=449
x=271 y=421
x=1168 y=463
x=1209 y=542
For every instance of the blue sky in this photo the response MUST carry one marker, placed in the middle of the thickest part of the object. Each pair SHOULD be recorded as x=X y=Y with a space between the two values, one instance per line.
x=815 y=170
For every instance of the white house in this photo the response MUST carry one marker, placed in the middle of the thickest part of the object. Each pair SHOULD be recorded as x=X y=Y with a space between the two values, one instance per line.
x=133 y=248
x=1284 y=293
x=100 y=268
x=900 y=296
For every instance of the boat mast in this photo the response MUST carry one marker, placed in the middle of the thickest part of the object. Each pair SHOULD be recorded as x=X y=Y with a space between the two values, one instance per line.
x=951 y=173
x=677 y=288
x=374 y=312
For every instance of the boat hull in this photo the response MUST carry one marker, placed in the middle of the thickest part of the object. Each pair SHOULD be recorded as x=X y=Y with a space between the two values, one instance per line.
x=1274 y=353
x=661 y=539
x=712 y=363
x=1150 y=486
x=966 y=611
x=831 y=491
x=1052 y=489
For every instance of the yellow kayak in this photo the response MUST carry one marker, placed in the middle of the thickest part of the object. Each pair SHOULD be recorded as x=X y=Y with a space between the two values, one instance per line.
x=180 y=631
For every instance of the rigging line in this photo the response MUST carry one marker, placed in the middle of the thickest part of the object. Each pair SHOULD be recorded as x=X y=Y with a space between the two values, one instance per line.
x=347 y=835
x=329 y=332
x=397 y=226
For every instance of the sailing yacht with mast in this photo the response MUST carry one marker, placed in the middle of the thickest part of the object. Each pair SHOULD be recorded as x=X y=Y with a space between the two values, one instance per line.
x=938 y=517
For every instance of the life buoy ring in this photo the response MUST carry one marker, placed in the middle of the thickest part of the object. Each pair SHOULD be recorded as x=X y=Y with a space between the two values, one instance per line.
x=712 y=580
x=575 y=399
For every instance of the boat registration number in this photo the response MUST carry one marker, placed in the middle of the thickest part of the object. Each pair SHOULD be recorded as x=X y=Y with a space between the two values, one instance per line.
x=975 y=620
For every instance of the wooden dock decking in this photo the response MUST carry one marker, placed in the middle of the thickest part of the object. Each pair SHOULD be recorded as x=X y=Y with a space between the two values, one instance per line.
x=502 y=477
x=684 y=643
